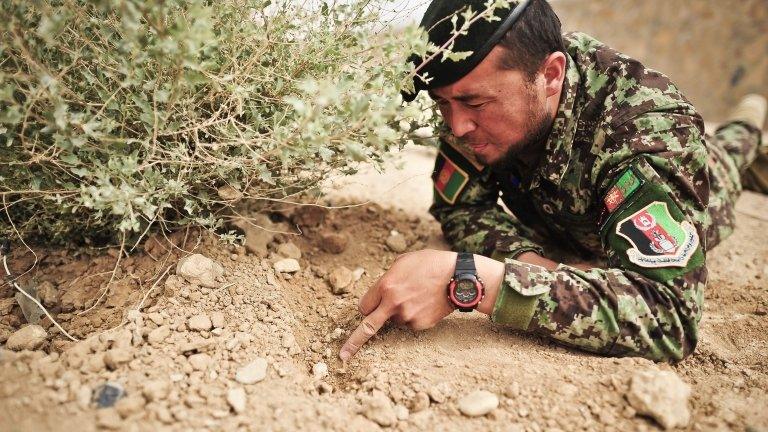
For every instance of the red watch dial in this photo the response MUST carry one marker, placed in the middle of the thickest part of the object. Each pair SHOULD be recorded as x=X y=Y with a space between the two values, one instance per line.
x=466 y=291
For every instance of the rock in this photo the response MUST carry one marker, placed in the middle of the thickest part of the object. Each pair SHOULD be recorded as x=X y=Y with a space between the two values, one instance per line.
x=513 y=390
x=378 y=408
x=217 y=319
x=253 y=372
x=401 y=412
x=117 y=357
x=200 y=322
x=158 y=335
x=228 y=193
x=30 y=337
x=199 y=269
x=289 y=250
x=320 y=370
x=309 y=216
x=661 y=395
x=287 y=265
x=357 y=274
x=200 y=362
x=237 y=399
x=438 y=393
x=156 y=390
x=156 y=318
x=108 y=394
x=478 y=403
x=334 y=243
x=108 y=418
x=258 y=233
x=129 y=405
x=420 y=402
x=49 y=295
x=340 y=279
x=83 y=397
x=396 y=242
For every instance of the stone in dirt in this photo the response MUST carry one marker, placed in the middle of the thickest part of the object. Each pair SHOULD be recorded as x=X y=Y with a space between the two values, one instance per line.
x=309 y=216
x=289 y=250
x=320 y=370
x=287 y=265
x=108 y=418
x=158 y=335
x=49 y=295
x=217 y=319
x=108 y=394
x=661 y=395
x=129 y=405
x=117 y=357
x=378 y=408
x=478 y=403
x=396 y=242
x=199 y=269
x=30 y=337
x=334 y=243
x=199 y=322
x=200 y=361
x=253 y=372
x=237 y=399
x=258 y=233
x=156 y=390
x=340 y=279
x=420 y=402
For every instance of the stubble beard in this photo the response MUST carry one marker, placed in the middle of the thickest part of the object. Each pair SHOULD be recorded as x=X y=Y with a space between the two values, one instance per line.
x=532 y=144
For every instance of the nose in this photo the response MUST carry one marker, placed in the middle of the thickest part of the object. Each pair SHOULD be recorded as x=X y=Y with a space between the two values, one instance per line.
x=461 y=122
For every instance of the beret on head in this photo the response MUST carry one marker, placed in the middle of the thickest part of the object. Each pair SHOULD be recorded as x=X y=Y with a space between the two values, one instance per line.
x=480 y=38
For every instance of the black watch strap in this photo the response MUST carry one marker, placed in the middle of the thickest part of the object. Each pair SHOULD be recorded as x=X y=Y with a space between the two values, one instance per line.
x=465 y=263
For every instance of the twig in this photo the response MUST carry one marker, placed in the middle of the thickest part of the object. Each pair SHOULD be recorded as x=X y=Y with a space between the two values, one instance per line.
x=109 y=283
x=45 y=311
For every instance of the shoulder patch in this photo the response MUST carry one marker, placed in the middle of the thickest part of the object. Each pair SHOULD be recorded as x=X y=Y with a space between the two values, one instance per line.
x=627 y=184
x=450 y=179
x=464 y=152
x=657 y=239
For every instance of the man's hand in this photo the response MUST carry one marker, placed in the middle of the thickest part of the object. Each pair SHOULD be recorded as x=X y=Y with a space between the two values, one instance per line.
x=413 y=292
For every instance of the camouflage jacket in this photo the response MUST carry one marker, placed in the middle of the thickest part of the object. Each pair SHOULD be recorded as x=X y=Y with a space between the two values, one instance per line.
x=625 y=179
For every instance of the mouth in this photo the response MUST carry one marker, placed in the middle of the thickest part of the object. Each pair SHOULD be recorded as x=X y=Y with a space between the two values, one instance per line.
x=477 y=146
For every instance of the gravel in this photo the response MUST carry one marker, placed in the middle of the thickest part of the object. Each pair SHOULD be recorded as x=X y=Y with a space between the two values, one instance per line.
x=478 y=403
x=253 y=372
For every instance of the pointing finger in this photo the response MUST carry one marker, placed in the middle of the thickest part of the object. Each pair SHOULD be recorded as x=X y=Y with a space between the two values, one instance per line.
x=371 y=299
x=367 y=328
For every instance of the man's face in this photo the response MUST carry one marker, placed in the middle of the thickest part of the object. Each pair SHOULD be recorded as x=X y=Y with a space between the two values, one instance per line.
x=499 y=113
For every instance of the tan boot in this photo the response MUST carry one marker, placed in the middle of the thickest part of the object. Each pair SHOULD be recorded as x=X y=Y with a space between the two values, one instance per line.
x=752 y=110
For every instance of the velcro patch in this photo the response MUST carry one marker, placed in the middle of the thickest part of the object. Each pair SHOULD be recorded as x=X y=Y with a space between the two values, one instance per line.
x=657 y=239
x=628 y=183
x=450 y=180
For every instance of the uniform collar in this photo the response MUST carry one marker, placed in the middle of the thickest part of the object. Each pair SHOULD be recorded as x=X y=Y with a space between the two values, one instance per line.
x=557 y=150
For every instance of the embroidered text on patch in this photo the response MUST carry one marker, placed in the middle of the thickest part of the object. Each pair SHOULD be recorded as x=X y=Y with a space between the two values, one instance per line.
x=450 y=180
x=658 y=240
x=628 y=183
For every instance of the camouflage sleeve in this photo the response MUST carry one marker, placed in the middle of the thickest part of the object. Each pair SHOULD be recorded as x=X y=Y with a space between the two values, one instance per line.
x=648 y=302
x=466 y=205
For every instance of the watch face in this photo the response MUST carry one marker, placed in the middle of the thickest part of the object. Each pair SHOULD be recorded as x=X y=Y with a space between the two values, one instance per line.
x=465 y=291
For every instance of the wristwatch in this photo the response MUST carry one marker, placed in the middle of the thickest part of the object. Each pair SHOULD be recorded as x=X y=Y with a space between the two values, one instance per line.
x=466 y=289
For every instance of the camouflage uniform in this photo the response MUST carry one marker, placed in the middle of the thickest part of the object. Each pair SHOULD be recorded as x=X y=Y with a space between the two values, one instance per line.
x=628 y=177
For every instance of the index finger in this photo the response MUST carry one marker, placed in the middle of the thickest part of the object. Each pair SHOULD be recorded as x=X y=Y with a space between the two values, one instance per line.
x=367 y=328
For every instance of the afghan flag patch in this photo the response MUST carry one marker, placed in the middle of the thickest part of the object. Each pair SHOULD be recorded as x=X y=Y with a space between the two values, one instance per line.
x=450 y=179
x=627 y=184
x=657 y=239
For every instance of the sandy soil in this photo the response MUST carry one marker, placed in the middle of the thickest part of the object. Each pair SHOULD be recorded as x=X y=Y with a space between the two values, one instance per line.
x=181 y=381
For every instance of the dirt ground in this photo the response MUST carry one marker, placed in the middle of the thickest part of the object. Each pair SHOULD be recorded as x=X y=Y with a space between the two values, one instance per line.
x=179 y=378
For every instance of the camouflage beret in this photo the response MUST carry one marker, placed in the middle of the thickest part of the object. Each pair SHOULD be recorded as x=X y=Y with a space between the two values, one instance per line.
x=481 y=37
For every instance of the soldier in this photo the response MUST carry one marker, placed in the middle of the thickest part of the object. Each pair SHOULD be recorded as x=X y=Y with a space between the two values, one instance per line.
x=589 y=150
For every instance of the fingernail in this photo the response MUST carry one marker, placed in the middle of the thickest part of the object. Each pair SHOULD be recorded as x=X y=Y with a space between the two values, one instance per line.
x=345 y=355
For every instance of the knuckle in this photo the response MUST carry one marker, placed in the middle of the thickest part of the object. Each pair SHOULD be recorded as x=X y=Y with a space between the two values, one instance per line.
x=368 y=328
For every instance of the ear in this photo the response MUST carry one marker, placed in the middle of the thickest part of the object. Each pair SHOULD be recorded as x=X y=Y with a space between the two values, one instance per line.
x=553 y=71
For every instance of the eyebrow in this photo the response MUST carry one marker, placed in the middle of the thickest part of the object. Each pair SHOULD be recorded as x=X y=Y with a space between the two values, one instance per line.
x=460 y=98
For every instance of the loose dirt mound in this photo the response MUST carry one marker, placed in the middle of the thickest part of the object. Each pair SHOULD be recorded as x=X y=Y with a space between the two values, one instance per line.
x=179 y=369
